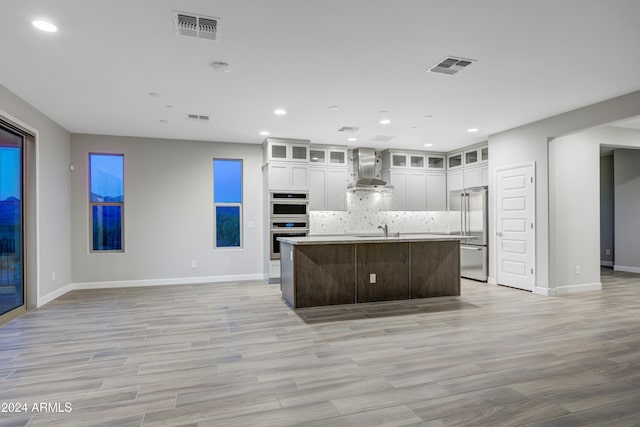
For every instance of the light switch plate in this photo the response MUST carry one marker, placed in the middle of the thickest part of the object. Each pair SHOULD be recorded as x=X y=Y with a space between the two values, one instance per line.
x=372 y=278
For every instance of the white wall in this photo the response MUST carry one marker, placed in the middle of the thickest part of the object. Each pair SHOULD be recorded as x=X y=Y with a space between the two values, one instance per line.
x=52 y=195
x=530 y=143
x=168 y=214
x=574 y=214
x=627 y=210
x=606 y=211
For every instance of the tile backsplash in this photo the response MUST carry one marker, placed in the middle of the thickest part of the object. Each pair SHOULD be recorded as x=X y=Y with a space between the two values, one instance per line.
x=366 y=210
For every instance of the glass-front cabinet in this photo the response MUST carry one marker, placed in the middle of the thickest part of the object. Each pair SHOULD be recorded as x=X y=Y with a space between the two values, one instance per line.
x=435 y=162
x=454 y=161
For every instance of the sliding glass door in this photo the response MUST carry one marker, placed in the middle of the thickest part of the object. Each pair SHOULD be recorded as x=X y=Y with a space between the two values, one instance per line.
x=12 y=289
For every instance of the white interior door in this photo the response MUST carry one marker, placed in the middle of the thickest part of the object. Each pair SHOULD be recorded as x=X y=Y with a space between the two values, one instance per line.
x=515 y=226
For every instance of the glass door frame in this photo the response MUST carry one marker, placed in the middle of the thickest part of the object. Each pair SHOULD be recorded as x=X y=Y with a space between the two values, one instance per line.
x=25 y=156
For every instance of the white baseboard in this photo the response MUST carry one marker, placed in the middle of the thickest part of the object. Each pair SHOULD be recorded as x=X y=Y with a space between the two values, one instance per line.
x=165 y=282
x=53 y=295
x=147 y=282
x=606 y=263
x=549 y=292
x=627 y=269
x=491 y=281
x=572 y=289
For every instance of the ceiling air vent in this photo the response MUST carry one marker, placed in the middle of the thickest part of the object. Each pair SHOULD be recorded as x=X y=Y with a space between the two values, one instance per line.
x=450 y=65
x=198 y=118
x=190 y=25
x=349 y=129
x=382 y=138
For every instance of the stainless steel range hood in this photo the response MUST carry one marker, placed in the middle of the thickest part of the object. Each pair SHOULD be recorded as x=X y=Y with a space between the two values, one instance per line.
x=364 y=165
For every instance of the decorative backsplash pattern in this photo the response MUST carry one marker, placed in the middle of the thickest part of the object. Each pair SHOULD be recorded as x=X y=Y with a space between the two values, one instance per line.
x=366 y=210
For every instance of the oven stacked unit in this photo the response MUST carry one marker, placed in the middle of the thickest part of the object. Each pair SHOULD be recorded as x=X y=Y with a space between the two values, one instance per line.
x=289 y=217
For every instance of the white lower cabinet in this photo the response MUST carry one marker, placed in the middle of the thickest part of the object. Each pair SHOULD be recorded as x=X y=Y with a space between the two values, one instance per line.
x=327 y=189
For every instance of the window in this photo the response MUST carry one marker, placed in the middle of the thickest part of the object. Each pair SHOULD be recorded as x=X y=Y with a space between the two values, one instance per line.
x=227 y=202
x=106 y=201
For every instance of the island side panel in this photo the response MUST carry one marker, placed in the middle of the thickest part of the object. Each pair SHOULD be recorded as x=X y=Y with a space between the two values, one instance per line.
x=286 y=273
x=390 y=263
x=324 y=274
x=435 y=269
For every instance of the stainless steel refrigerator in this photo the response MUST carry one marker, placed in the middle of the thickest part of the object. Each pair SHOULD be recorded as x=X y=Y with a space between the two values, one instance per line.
x=469 y=217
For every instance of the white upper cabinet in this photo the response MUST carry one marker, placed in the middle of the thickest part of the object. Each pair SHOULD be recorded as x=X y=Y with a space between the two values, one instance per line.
x=327 y=178
x=454 y=161
x=286 y=150
x=436 y=191
x=392 y=159
x=436 y=162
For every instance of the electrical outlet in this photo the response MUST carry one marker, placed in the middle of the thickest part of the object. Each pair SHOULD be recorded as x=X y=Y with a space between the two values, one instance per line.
x=372 y=278
x=578 y=270
x=194 y=264
x=53 y=275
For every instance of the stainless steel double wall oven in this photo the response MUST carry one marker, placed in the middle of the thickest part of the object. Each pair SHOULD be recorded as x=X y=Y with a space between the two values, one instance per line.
x=289 y=217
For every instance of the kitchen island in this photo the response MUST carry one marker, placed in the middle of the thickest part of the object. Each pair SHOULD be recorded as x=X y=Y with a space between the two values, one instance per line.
x=329 y=270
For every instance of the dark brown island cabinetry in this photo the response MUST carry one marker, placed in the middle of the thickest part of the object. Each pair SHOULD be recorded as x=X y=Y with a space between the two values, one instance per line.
x=329 y=273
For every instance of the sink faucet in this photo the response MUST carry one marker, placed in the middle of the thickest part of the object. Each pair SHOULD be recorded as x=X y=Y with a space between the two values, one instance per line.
x=385 y=229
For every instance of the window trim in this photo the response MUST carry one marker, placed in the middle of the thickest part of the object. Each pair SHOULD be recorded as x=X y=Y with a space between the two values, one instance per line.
x=92 y=204
x=223 y=204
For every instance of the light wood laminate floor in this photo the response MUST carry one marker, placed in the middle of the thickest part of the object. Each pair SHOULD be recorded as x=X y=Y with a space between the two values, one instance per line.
x=234 y=354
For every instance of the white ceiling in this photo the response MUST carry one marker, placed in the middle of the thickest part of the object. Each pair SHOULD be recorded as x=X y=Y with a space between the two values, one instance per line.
x=534 y=58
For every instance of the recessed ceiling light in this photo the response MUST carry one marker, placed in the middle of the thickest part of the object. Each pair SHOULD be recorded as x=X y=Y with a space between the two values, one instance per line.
x=44 y=26
x=428 y=145
x=382 y=112
x=352 y=139
x=164 y=121
x=334 y=107
x=385 y=121
x=264 y=132
x=414 y=127
x=280 y=112
x=472 y=130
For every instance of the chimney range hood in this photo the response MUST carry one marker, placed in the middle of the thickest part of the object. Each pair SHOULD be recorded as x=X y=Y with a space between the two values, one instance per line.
x=364 y=163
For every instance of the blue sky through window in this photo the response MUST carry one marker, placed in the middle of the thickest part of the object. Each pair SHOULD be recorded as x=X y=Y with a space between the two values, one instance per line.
x=10 y=166
x=227 y=181
x=107 y=183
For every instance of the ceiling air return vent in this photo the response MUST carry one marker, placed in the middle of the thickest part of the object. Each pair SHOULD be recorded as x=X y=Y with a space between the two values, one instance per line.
x=349 y=129
x=191 y=25
x=451 y=65
x=198 y=118
x=382 y=138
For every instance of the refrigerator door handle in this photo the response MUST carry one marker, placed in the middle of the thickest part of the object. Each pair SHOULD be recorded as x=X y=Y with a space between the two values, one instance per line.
x=461 y=214
x=467 y=218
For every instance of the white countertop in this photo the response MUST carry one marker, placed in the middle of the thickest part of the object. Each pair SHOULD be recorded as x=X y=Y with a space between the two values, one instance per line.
x=366 y=238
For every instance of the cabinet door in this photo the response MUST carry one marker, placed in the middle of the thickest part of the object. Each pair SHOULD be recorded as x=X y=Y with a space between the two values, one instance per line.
x=436 y=191
x=279 y=176
x=317 y=189
x=318 y=155
x=299 y=177
x=435 y=162
x=484 y=172
x=399 y=194
x=472 y=177
x=471 y=157
x=417 y=192
x=299 y=153
x=278 y=151
x=454 y=161
x=337 y=189
x=338 y=157
x=455 y=181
